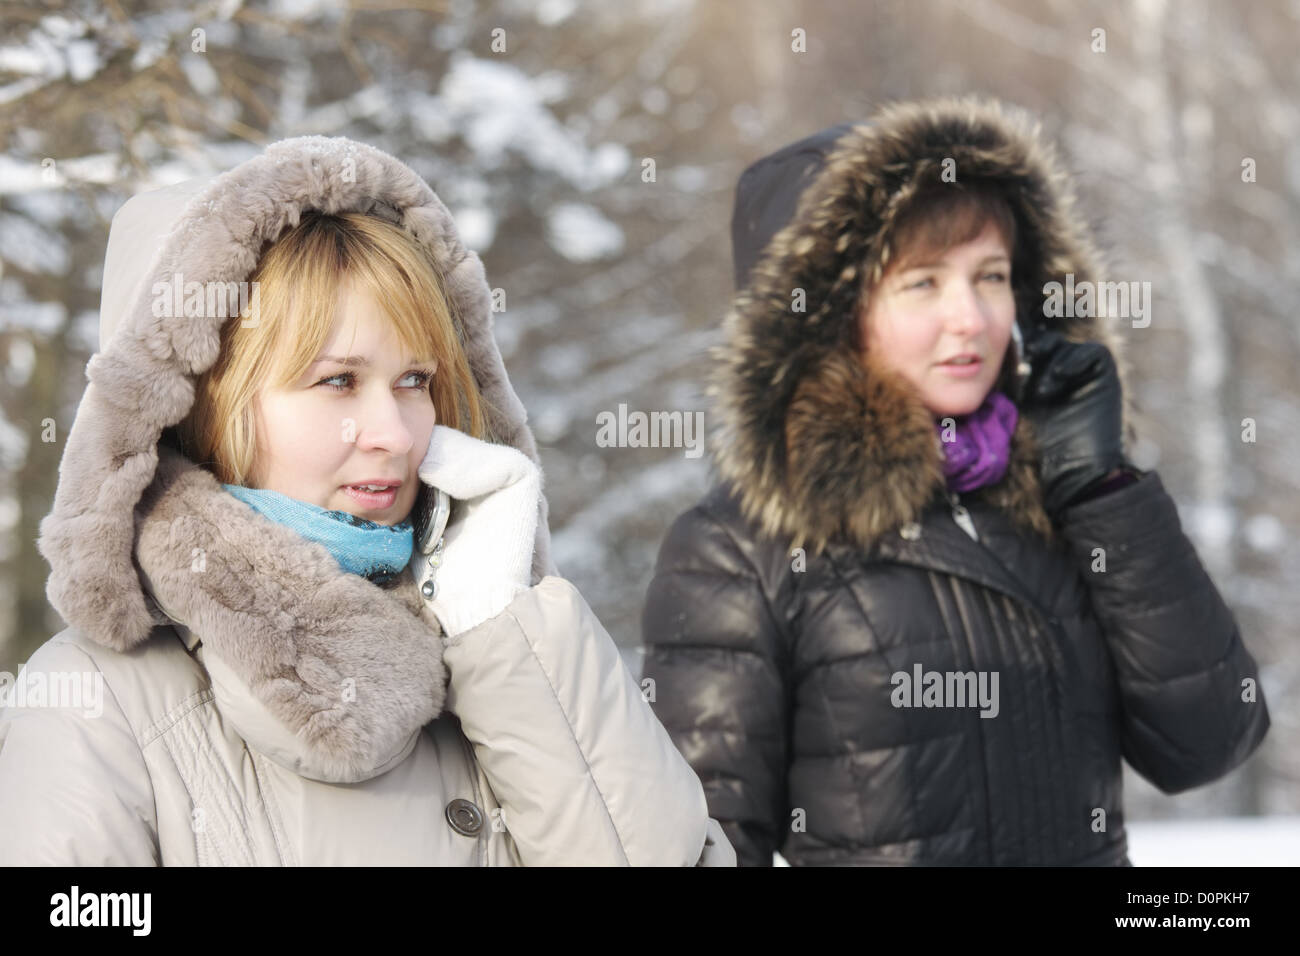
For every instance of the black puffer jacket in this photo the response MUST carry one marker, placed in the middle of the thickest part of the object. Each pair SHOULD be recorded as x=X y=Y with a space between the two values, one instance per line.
x=777 y=670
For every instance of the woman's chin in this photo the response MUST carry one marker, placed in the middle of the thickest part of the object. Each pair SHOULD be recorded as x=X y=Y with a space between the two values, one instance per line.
x=949 y=407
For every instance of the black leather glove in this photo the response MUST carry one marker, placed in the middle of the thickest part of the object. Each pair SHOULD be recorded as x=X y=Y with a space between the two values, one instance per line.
x=1073 y=399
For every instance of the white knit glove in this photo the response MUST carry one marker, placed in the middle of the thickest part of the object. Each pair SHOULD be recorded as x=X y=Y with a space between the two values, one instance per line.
x=487 y=552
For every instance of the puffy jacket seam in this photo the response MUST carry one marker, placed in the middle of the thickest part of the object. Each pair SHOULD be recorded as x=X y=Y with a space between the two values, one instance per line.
x=1093 y=509
x=752 y=735
x=969 y=828
x=912 y=742
x=237 y=805
x=844 y=588
x=107 y=683
x=572 y=733
x=836 y=734
x=727 y=732
x=783 y=664
x=1137 y=611
x=830 y=662
x=266 y=792
x=710 y=572
x=1170 y=750
x=707 y=648
x=172 y=717
x=1191 y=768
x=786 y=647
x=134 y=734
x=202 y=848
x=842 y=849
x=1234 y=646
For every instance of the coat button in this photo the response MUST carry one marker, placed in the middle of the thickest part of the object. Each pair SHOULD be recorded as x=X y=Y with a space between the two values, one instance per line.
x=911 y=531
x=465 y=818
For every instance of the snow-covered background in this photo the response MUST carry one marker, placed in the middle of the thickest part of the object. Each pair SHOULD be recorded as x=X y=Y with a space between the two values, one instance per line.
x=589 y=152
x=1207 y=842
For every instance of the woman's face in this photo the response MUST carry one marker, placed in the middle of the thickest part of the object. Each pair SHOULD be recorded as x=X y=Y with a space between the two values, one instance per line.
x=924 y=315
x=361 y=414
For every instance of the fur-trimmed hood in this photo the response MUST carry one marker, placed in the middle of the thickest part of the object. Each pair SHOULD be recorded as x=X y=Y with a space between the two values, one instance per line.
x=140 y=536
x=819 y=448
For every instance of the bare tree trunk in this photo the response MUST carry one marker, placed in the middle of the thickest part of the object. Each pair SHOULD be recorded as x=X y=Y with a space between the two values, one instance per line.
x=27 y=569
x=1198 y=312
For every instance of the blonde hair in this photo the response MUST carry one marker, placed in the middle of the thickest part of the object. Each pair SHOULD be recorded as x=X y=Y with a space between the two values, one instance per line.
x=300 y=279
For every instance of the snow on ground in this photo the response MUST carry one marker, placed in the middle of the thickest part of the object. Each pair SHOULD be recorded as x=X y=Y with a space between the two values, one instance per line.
x=1227 y=841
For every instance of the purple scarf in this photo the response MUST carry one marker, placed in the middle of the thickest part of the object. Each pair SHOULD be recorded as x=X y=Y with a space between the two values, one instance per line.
x=981 y=450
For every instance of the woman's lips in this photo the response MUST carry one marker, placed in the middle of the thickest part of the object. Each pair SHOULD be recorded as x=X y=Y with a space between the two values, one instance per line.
x=374 y=500
x=968 y=370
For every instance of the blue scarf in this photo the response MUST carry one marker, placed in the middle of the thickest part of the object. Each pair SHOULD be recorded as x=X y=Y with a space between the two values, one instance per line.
x=374 y=551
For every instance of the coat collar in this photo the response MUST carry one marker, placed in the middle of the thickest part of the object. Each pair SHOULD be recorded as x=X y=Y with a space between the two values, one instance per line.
x=324 y=672
x=819 y=447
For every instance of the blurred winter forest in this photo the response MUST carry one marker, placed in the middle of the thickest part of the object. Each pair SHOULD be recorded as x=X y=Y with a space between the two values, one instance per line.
x=589 y=152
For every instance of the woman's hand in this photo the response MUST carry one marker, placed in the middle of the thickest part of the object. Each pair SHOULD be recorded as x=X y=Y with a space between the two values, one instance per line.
x=488 y=545
x=1074 y=401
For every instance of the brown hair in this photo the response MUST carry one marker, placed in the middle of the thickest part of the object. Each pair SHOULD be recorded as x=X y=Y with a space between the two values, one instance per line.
x=299 y=281
x=944 y=215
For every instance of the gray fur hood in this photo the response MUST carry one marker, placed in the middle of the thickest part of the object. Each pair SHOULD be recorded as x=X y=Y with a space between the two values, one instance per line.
x=134 y=521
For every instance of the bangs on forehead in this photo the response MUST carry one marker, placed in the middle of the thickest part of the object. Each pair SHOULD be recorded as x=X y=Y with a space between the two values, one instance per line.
x=307 y=322
x=941 y=217
x=329 y=264
x=403 y=301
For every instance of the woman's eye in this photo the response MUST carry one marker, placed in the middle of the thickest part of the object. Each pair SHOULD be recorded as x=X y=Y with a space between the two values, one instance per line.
x=421 y=378
x=415 y=379
x=918 y=284
x=331 y=378
x=997 y=276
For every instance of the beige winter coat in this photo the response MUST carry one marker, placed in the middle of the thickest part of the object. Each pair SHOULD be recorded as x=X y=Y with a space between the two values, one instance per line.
x=225 y=694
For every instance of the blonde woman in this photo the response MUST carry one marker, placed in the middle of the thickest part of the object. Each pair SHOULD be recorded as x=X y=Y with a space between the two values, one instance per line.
x=300 y=543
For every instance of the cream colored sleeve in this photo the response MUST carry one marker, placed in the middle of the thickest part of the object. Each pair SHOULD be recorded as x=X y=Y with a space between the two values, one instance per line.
x=584 y=771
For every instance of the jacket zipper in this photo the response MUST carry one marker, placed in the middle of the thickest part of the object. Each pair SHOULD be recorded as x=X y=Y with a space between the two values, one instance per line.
x=962 y=516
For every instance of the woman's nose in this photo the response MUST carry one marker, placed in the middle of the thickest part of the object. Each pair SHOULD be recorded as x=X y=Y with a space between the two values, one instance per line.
x=383 y=427
x=966 y=310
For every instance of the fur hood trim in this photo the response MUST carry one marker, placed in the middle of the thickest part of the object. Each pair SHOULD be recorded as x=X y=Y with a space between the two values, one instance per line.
x=326 y=673
x=143 y=378
x=820 y=447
